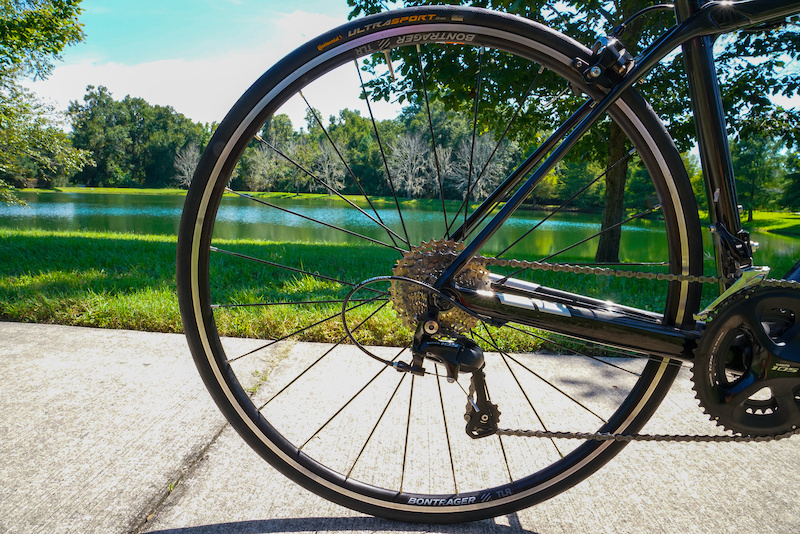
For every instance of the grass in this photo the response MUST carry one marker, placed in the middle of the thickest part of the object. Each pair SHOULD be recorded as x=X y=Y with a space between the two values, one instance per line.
x=127 y=281
x=774 y=222
x=452 y=205
x=108 y=191
x=89 y=279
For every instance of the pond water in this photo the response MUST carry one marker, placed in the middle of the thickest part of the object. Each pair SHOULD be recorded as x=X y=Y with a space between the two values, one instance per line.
x=241 y=218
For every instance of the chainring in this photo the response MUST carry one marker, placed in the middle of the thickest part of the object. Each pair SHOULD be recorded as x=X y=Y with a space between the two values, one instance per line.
x=746 y=370
x=425 y=263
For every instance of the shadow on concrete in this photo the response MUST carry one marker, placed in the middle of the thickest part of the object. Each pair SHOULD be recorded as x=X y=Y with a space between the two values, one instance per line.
x=348 y=524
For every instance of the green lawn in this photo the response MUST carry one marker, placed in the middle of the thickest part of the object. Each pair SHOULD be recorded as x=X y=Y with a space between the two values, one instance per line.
x=127 y=281
x=89 y=279
x=774 y=222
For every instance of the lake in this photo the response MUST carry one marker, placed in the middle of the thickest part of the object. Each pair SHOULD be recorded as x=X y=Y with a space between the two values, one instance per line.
x=240 y=218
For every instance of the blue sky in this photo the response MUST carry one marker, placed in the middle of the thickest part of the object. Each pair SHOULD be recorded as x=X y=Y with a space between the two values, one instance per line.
x=197 y=56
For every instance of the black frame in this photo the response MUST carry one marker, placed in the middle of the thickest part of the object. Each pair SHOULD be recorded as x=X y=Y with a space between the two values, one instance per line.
x=699 y=23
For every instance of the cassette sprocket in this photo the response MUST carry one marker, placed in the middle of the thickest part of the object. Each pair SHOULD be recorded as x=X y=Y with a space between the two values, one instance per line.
x=425 y=263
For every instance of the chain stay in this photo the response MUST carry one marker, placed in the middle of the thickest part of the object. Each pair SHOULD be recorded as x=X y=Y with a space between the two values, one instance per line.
x=606 y=436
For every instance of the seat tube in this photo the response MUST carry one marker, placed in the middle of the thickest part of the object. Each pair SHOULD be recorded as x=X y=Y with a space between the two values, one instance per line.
x=709 y=117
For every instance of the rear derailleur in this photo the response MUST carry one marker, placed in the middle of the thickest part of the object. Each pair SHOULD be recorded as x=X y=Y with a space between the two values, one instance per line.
x=458 y=354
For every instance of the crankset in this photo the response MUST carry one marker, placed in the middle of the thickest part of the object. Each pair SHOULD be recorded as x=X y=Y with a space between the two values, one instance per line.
x=746 y=368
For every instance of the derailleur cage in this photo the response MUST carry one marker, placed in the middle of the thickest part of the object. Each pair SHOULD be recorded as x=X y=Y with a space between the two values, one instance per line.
x=482 y=416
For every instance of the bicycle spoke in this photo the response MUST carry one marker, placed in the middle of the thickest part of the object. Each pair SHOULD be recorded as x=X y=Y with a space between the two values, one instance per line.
x=517 y=110
x=433 y=140
x=522 y=127
x=575 y=351
x=612 y=227
x=540 y=377
x=335 y=345
x=383 y=153
x=346 y=404
x=474 y=128
x=446 y=430
x=408 y=432
x=377 y=423
x=582 y=241
x=293 y=269
x=285 y=303
x=564 y=204
x=522 y=390
x=317 y=221
x=379 y=221
x=336 y=315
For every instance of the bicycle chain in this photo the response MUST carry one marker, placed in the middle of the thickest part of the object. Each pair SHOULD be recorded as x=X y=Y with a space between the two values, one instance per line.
x=621 y=273
x=606 y=436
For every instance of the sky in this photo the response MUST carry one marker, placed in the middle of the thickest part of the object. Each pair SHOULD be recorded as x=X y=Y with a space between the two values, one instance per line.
x=197 y=56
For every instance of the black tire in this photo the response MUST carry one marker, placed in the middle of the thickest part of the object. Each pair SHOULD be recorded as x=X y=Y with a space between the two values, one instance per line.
x=496 y=475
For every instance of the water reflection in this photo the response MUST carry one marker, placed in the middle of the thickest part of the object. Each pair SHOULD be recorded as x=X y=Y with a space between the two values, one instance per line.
x=240 y=218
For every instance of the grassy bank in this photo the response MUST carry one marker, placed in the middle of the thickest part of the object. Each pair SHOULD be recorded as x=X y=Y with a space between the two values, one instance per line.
x=128 y=281
x=109 y=191
x=89 y=279
x=774 y=222
x=381 y=202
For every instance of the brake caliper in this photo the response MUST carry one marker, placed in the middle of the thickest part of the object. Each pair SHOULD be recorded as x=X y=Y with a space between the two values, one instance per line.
x=609 y=64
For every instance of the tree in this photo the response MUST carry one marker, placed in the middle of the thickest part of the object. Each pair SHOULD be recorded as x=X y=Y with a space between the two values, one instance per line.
x=133 y=142
x=99 y=125
x=791 y=190
x=327 y=167
x=745 y=88
x=186 y=160
x=479 y=169
x=32 y=146
x=410 y=164
x=32 y=34
x=758 y=167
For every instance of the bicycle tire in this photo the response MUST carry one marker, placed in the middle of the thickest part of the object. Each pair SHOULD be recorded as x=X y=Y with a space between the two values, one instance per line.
x=198 y=265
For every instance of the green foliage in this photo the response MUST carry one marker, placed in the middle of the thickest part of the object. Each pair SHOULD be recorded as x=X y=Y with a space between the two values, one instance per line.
x=452 y=75
x=791 y=191
x=753 y=65
x=7 y=195
x=758 y=168
x=32 y=145
x=33 y=33
x=133 y=143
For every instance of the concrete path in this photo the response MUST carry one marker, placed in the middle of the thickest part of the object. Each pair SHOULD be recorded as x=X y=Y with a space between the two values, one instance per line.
x=112 y=431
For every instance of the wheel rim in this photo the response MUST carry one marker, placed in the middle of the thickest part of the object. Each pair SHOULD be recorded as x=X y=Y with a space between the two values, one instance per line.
x=496 y=474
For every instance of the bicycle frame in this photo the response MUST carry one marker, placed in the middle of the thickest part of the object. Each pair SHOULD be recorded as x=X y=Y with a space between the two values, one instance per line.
x=699 y=23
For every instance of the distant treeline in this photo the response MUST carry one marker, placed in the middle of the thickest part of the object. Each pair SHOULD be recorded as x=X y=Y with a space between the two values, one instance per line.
x=135 y=144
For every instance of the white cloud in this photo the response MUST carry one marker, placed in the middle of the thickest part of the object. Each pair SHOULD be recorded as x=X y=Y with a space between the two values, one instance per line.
x=205 y=89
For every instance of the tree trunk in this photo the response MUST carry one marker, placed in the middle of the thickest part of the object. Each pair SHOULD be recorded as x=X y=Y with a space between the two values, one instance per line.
x=608 y=247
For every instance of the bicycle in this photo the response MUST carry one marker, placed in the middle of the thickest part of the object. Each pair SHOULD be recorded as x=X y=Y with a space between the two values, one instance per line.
x=374 y=334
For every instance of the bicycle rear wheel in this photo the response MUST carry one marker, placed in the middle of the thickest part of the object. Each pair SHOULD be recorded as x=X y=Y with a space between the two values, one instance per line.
x=322 y=412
